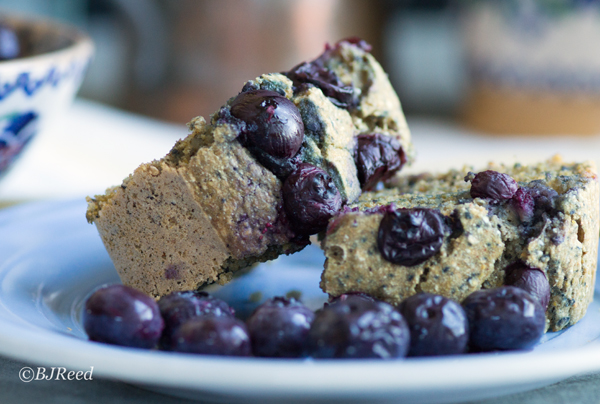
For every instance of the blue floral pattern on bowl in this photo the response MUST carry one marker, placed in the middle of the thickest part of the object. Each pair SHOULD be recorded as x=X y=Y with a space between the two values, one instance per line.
x=30 y=85
x=17 y=131
x=37 y=88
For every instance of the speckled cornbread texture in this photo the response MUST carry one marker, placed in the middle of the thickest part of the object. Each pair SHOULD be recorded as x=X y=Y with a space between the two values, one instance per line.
x=208 y=208
x=564 y=245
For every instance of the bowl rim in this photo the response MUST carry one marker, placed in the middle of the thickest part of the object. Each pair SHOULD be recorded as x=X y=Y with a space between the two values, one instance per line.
x=82 y=42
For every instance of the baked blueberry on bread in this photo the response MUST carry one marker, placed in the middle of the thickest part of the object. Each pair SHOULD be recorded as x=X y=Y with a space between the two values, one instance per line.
x=455 y=233
x=267 y=170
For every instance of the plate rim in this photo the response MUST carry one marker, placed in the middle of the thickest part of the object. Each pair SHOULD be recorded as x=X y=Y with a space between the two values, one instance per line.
x=271 y=377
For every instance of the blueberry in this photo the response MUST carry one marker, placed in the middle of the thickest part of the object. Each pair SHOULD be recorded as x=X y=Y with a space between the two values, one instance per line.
x=279 y=328
x=344 y=296
x=377 y=158
x=9 y=43
x=178 y=307
x=358 y=328
x=492 y=185
x=545 y=197
x=316 y=73
x=504 y=318
x=438 y=325
x=411 y=236
x=523 y=204
x=310 y=198
x=533 y=280
x=210 y=335
x=121 y=315
x=535 y=199
x=273 y=130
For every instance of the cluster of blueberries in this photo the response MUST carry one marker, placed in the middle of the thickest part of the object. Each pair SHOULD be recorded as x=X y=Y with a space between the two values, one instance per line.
x=529 y=202
x=411 y=236
x=352 y=325
x=272 y=129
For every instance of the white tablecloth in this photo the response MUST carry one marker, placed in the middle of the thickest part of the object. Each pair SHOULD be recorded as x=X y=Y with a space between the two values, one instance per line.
x=89 y=149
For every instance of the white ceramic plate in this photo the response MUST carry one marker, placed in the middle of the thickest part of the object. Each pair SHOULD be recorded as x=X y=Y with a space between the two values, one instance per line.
x=52 y=259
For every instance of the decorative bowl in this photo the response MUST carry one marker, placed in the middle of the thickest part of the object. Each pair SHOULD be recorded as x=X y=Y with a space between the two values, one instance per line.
x=39 y=84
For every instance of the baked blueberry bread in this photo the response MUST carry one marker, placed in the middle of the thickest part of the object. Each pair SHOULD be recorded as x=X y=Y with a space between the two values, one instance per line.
x=458 y=232
x=267 y=170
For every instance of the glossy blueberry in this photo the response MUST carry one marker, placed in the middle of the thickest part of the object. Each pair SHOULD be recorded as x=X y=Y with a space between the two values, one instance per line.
x=178 y=307
x=310 y=198
x=279 y=328
x=533 y=280
x=358 y=328
x=492 y=185
x=210 y=335
x=377 y=158
x=411 y=236
x=121 y=315
x=438 y=325
x=273 y=130
x=504 y=318
x=9 y=43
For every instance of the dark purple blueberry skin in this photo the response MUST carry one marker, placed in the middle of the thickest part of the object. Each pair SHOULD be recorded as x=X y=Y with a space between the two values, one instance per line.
x=279 y=328
x=523 y=204
x=178 y=307
x=377 y=158
x=310 y=199
x=411 y=236
x=121 y=315
x=504 y=318
x=545 y=197
x=315 y=73
x=438 y=325
x=358 y=328
x=533 y=200
x=210 y=335
x=345 y=296
x=9 y=43
x=533 y=280
x=493 y=185
x=274 y=130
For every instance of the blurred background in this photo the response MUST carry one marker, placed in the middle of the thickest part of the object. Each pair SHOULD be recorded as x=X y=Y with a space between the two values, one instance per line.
x=510 y=66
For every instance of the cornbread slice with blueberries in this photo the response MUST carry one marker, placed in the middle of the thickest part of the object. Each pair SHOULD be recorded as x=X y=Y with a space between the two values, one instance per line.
x=266 y=171
x=458 y=232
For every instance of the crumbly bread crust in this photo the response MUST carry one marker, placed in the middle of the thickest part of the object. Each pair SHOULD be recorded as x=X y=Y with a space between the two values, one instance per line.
x=564 y=246
x=208 y=208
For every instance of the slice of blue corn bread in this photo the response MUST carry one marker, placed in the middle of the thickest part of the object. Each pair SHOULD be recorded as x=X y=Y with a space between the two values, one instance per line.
x=210 y=208
x=484 y=238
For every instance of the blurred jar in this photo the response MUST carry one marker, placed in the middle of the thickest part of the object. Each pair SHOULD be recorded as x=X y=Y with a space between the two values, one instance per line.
x=534 y=66
x=216 y=46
